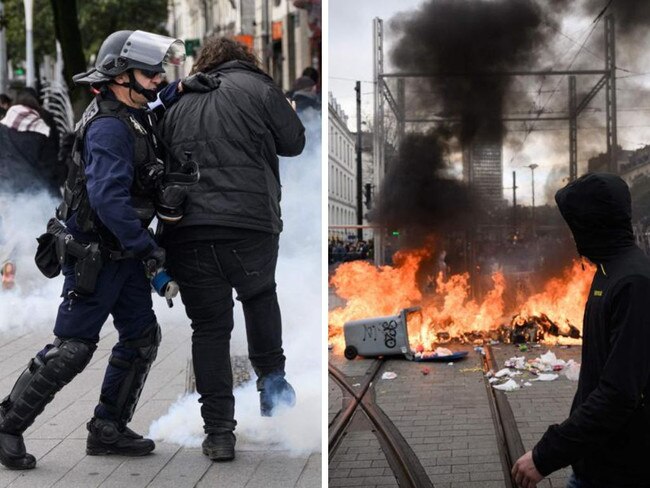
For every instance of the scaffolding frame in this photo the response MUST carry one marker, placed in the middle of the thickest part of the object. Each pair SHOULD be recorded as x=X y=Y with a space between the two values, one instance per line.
x=397 y=104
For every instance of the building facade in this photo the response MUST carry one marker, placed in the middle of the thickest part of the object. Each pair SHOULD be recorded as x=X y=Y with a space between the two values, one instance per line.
x=285 y=34
x=483 y=170
x=342 y=193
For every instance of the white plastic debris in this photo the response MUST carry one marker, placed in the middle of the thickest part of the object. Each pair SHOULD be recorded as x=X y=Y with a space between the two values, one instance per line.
x=389 y=375
x=442 y=351
x=509 y=385
x=528 y=383
x=572 y=370
x=493 y=380
x=507 y=372
x=546 y=377
x=517 y=362
x=503 y=372
x=548 y=358
x=450 y=364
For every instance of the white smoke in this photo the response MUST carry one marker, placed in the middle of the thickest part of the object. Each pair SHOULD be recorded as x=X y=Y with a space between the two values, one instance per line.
x=299 y=290
x=33 y=301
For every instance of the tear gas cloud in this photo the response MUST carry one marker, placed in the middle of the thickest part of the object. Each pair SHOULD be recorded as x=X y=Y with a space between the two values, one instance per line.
x=33 y=303
x=299 y=290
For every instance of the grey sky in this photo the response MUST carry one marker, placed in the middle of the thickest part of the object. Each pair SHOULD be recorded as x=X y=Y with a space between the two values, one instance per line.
x=351 y=58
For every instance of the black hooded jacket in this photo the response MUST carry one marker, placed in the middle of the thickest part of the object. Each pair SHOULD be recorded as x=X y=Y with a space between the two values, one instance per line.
x=236 y=122
x=606 y=439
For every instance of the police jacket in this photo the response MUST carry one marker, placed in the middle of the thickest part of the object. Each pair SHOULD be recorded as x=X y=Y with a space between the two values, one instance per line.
x=116 y=149
x=236 y=123
x=607 y=436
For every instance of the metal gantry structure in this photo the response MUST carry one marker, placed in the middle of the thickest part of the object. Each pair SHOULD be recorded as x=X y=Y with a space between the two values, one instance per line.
x=397 y=103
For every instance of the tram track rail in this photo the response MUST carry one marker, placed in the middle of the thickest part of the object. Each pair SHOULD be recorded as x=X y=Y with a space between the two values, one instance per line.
x=509 y=442
x=404 y=463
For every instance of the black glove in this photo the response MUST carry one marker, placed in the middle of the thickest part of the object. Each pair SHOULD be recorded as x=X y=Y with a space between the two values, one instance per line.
x=154 y=261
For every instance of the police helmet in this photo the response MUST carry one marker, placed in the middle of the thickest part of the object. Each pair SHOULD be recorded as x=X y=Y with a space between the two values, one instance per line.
x=125 y=50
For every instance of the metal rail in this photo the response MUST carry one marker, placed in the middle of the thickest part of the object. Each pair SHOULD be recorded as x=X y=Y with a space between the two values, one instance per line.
x=509 y=440
x=405 y=465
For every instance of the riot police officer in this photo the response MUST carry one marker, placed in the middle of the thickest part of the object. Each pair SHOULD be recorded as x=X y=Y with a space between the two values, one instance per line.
x=108 y=204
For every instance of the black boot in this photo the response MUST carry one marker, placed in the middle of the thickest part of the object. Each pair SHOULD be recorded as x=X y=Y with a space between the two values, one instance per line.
x=13 y=454
x=220 y=446
x=275 y=391
x=107 y=437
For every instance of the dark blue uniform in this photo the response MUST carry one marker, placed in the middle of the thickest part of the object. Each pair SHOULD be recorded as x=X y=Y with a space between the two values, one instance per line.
x=123 y=289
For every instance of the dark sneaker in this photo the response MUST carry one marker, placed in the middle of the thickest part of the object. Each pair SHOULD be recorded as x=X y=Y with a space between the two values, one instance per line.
x=275 y=392
x=220 y=447
x=13 y=454
x=106 y=437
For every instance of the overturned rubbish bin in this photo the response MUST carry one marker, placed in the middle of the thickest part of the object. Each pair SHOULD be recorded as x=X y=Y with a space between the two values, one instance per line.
x=379 y=336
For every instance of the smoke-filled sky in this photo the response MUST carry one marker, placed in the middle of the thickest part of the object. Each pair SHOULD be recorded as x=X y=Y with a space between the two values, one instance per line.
x=545 y=34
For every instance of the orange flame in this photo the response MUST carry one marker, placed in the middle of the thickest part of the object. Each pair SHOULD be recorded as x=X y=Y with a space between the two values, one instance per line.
x=372 y=292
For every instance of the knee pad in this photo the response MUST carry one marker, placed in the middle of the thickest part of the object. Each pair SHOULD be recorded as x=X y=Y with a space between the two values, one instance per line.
x=48 y=372
x=137 y=369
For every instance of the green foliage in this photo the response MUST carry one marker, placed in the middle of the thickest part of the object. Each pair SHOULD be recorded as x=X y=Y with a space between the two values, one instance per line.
x=43 y=30
x=97 y=19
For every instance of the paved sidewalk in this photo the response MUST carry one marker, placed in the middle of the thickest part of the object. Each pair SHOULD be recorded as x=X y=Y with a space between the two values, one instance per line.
x=545 y=403
x=446 y=419
x=57 y=438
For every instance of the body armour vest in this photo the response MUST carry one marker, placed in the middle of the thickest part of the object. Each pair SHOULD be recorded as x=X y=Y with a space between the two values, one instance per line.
x=145 y=167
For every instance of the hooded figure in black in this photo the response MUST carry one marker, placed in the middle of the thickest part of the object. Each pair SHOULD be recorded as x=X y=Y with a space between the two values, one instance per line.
x=606 y=439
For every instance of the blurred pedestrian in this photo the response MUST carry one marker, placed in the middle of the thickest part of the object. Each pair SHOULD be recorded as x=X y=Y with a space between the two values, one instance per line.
x=28 y=155
x=5 y=103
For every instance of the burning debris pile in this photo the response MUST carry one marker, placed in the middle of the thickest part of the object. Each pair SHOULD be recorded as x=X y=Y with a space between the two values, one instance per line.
x=535 y=328
x=449 y=314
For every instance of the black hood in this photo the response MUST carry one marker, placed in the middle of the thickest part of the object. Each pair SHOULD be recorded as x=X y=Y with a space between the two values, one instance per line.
x=598 y=209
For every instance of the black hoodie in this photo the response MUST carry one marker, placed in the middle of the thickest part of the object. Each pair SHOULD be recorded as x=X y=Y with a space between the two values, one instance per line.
x=606 y=439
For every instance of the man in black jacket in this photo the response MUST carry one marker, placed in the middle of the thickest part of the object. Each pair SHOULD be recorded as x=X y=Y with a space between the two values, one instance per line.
x=606 y=439
x=236 y=122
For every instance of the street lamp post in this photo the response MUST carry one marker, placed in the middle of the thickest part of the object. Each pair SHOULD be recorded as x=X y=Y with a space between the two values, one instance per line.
x=3 y=50
x=29 y=43
x=532 y=172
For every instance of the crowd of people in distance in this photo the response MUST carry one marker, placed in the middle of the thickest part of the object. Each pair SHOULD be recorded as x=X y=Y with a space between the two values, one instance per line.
x=339 y=251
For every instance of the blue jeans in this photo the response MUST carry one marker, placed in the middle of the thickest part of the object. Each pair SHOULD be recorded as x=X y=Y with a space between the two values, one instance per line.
x=207 y=272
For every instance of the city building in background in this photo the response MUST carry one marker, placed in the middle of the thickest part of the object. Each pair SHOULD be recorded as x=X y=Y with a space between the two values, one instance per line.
x=285 y=34
x=483 y=169
x=342 y=195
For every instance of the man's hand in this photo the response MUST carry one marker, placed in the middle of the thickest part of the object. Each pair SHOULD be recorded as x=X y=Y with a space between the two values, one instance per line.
x=525 y=473
x=154 y=261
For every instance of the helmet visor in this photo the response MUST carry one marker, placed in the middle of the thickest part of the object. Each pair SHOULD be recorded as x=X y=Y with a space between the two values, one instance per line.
x=153 y=49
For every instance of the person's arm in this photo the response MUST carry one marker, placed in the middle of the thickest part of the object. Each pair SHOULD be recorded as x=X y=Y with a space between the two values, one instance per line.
x=284 y=124
x=108 y=153
x=168 y=96
x=620 y=389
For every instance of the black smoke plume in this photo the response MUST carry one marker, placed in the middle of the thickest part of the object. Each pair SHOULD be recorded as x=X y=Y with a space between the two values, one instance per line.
x=418 y=195
x=472 y=37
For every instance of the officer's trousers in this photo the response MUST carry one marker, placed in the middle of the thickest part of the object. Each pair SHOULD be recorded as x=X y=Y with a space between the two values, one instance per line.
x=122 y=291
